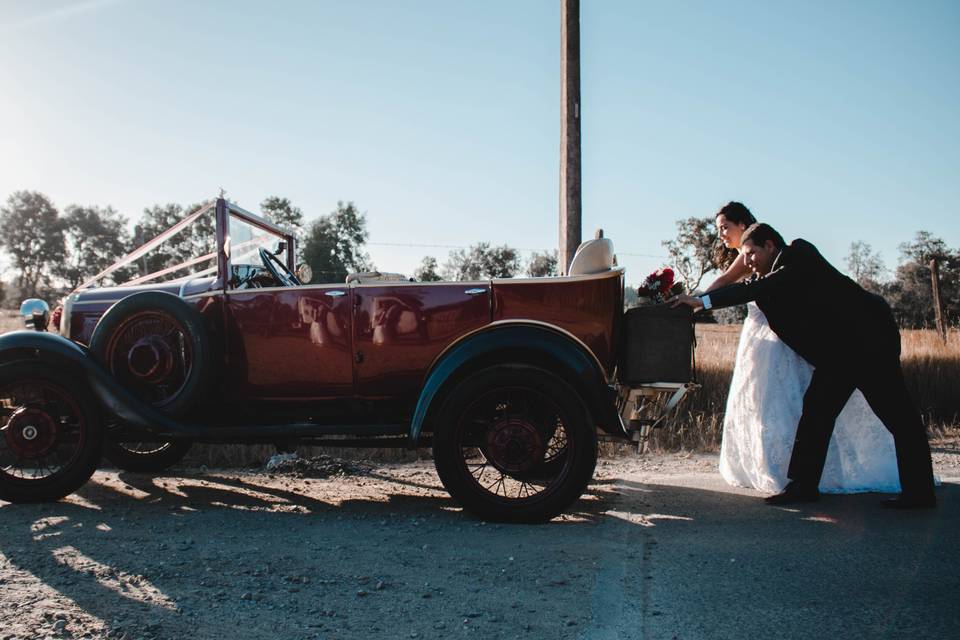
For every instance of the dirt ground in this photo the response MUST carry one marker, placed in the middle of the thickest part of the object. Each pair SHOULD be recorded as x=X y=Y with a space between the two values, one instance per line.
x=370 y=552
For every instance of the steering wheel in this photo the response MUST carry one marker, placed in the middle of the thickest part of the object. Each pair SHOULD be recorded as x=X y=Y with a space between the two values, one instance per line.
x=280 y=272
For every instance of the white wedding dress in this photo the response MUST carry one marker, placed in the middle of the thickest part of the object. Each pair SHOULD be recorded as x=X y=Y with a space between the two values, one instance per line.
x=760 y=424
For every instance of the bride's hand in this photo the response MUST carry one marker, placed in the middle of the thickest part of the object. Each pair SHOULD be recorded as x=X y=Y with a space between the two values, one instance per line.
x=692 y=301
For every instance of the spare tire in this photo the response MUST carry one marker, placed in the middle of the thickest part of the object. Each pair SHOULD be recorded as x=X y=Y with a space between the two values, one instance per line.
x=157 y=347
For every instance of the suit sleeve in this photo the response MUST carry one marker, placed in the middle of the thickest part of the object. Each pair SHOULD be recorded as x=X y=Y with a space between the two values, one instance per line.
x=743 y=292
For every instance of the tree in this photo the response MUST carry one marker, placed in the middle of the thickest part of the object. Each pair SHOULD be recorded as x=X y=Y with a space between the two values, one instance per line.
x=481 y=262
x=910 y=293
x=543 y=264
x=630 y=297
x=193 y=241
x=334 y=244
x=427 y=271
x=32 y=233
x=281 y=212
x=865 y=266
x=693 y=250
x=95 y=238
x=925 y=247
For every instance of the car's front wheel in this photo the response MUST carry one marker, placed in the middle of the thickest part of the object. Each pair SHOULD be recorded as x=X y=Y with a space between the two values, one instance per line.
x=514 y=443
x=50 y=433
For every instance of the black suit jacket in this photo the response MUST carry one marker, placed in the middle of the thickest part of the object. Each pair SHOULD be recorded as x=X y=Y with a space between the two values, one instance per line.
x=822 y=314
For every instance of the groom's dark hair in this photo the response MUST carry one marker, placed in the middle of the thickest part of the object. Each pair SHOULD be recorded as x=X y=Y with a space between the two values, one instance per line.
x=759 y=232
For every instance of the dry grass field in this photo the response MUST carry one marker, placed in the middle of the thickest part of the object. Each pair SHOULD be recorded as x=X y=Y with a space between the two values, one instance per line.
x=9 y=321
x=932 y=370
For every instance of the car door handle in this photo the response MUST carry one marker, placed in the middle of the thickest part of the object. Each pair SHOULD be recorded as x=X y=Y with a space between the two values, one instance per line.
x=475 y=292
x=335 y=294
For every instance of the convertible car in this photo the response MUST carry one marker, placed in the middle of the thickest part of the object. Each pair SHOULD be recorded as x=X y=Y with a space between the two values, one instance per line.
x=510 y=381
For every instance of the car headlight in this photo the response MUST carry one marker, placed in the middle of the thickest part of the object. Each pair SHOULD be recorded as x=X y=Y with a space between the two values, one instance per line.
x=35 y=314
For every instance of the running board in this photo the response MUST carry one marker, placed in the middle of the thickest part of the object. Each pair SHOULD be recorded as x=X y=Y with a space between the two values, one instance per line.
x=264 y=433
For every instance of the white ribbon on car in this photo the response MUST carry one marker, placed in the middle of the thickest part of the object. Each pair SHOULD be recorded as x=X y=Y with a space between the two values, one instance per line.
x=147 y=246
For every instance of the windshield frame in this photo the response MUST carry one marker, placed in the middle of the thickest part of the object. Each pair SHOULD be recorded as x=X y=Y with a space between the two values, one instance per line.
x=227 y=211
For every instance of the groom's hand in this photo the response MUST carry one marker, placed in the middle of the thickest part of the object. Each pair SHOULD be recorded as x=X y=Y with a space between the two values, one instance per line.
x=692 y=301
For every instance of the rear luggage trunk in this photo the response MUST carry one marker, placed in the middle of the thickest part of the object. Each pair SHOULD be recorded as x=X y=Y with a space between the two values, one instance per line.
x=657 y=345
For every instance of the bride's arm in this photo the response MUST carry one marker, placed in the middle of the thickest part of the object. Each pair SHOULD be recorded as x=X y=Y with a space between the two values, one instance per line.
x=737 y=271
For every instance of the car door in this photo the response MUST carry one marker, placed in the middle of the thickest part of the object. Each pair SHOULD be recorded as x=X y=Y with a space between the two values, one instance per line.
x=400 y=328
x=292 y=342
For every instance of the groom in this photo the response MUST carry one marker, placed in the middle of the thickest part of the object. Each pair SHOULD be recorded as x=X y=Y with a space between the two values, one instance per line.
x=851 y=339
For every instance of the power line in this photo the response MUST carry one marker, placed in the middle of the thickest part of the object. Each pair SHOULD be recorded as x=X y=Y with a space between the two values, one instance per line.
x=414 y=245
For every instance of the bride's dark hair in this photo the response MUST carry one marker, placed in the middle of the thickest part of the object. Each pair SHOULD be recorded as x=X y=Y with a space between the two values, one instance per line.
x=737 y=213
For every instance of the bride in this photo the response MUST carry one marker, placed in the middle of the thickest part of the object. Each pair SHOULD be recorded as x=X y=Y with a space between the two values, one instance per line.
x=766 y=399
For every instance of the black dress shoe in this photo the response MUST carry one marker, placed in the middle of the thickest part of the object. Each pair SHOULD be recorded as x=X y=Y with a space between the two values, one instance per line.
x=793 y=494
x=910 y=502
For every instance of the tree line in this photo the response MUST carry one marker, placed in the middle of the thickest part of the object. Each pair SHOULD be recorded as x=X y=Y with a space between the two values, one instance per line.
x=696 y=251
x=51 y=252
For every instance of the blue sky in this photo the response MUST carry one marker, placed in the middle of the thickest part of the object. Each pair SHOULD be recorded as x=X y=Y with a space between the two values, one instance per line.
x=834 y=121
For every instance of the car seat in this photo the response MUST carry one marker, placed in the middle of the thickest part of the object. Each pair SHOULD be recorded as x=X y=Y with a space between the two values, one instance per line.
x=592 y=256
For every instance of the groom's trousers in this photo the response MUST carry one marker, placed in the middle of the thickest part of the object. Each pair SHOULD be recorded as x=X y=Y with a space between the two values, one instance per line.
x=875 y=371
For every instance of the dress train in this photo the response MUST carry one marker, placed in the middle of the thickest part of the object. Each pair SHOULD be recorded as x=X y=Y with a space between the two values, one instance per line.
x=760 y=423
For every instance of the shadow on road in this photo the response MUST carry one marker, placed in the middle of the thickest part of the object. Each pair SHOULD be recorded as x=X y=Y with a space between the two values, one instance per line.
x=186 y=553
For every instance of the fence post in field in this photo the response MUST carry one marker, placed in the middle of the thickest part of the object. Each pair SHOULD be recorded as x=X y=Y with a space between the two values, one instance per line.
x=937 y=300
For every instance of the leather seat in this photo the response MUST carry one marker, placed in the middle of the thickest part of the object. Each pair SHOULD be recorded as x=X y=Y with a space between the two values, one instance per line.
x=592 y=256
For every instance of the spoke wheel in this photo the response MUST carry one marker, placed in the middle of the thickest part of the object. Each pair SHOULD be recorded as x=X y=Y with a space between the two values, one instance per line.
x=514 y=444
x=51 y=433
x=145 y=456
x=151 y=354
x=504 y=439
x=156 y=346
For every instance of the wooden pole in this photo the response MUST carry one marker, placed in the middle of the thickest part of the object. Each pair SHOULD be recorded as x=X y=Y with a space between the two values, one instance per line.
x=570 y=196
x=937 y=300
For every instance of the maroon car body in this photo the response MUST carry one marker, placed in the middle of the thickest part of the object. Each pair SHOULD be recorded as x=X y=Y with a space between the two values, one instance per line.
x=374 y=360
x=372 y=341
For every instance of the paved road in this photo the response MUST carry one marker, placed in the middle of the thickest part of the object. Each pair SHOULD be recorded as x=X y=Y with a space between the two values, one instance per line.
x=718 y=563
x=659 y=548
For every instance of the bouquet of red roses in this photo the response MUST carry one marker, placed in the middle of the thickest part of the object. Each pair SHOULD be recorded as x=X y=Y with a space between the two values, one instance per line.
x=659 y=285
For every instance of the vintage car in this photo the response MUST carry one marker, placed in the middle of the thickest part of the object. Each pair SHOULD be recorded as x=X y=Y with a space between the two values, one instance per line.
x=508 y=380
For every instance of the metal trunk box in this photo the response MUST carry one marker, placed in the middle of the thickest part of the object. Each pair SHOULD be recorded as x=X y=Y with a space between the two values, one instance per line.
x=658 y=344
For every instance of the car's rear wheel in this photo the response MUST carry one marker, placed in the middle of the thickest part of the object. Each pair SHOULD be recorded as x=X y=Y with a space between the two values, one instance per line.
x=156 y=346
x=514 y=443
x=145 y=457
x=50 y=433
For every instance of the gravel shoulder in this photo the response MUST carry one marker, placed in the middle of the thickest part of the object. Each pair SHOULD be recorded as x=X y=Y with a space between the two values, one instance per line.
x=650 y=551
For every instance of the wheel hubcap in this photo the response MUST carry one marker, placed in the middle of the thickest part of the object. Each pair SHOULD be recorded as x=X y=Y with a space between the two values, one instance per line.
x=150 y=359
x=515 y=445
x=31 y=432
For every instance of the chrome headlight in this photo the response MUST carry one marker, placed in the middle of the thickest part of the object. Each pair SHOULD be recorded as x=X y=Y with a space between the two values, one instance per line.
x=304 y=273
x=35 y=313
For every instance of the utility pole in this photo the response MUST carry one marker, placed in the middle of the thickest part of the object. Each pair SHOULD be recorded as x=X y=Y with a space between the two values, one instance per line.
x=937 y=300
x=570 y=196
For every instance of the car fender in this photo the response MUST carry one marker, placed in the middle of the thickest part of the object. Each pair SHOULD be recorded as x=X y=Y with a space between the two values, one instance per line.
x=527 y=343
x=137 y=416
x=57 y=351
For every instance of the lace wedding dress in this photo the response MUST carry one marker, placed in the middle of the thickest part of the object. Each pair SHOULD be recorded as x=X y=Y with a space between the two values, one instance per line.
x=763 y=408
